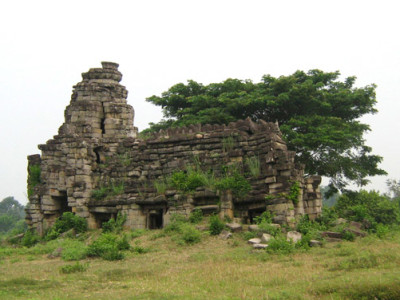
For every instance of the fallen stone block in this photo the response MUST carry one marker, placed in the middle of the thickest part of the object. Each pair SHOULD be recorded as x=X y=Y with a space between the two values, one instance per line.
x=260 y=246
x=234 y=227
x=293 y=236
x=265 y=237
x=254 y=241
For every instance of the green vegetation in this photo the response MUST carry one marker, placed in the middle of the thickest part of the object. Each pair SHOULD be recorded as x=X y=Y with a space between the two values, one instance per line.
x=253 y=164
x=34 y=172
x=77 y=267
x=371 y=208
x=212 y=268
x=114 y=225
x=228 y=144
x=236 y=183
x=67 y=222
x=194 y=177
x=12 y=217
x=293 y=194
x=318 y=114
x=196 y=216
x=108 y=246
x=109 y=190
x=183 y=232
x=216 y=225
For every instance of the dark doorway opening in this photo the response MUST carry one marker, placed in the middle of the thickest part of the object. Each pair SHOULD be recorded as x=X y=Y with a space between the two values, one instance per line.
x=61 y=203
x=255 y=213
x=98 y=151
x=102 y=218
x=156 y=219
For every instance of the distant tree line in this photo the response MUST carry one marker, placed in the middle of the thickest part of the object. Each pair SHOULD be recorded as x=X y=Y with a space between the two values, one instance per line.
x=12 y=216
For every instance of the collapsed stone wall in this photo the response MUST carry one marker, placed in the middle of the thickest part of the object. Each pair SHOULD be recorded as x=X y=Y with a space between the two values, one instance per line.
x=97 y=148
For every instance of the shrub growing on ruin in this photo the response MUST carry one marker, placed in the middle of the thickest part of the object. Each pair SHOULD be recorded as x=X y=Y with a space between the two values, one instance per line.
x=66 y=222
x=253 y=164
x=216 y=225
x=112 y=189
x=196 y=216
x=265 y=217
x=30 y=239
x=115 y=225
x=236 y=183
x=34 y=173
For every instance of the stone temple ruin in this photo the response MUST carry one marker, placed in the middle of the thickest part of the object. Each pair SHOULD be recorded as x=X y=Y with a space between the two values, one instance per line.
x=98 y=152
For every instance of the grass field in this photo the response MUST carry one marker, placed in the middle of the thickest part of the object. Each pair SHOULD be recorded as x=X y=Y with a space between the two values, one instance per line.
x=367 y=268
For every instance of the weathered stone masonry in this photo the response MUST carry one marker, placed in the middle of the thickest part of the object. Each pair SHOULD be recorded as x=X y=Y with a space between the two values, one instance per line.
x=97 y=146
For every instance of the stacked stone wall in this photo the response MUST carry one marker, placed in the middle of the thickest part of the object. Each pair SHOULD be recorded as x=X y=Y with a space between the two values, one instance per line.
x=97 y=147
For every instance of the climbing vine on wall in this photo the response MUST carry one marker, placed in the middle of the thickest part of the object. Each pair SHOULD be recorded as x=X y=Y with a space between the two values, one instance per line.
x=34 y=172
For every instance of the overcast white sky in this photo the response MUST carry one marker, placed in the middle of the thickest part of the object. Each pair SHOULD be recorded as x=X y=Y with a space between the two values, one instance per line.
x=46 y=45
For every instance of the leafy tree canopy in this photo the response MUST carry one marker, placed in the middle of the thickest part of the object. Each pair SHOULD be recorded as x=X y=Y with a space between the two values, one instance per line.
x=318 y=115
x=11 y=211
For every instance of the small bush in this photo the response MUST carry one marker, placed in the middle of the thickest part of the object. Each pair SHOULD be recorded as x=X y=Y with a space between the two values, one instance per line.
x=100 y=193
x=115 y=225
x=268 y=228
x=182 y=231
x=253 y=163
x=311 y=228
x=196 y=216
x=348 y=235
x=328 y=216
x=105 y=191
x=30 y=239
x=216 y=225
x=73 y=250
x=265 y=217
x=247 y=235
x=190 y=180
x=190 y=235
x=123 y=243
x=77 y=267
x=175 y=224
x=236 y=183
x=108 y=246
x=280 y=245
x=66 y=222
x=382 y=231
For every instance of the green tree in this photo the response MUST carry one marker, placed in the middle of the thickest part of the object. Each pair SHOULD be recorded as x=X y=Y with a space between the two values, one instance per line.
x=11 y=211
x=318 y=115
x=368 y=205
x=328 y=199
x=394 y=188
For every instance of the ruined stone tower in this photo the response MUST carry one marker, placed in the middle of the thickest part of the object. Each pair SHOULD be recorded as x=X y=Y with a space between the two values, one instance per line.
x=96 y=166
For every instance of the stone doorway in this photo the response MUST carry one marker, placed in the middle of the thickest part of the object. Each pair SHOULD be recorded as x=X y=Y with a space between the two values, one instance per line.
x=255 y=213
x=155 y=219
x=61 y=203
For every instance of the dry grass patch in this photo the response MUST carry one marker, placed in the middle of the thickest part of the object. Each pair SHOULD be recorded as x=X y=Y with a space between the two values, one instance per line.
x=211 y=269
